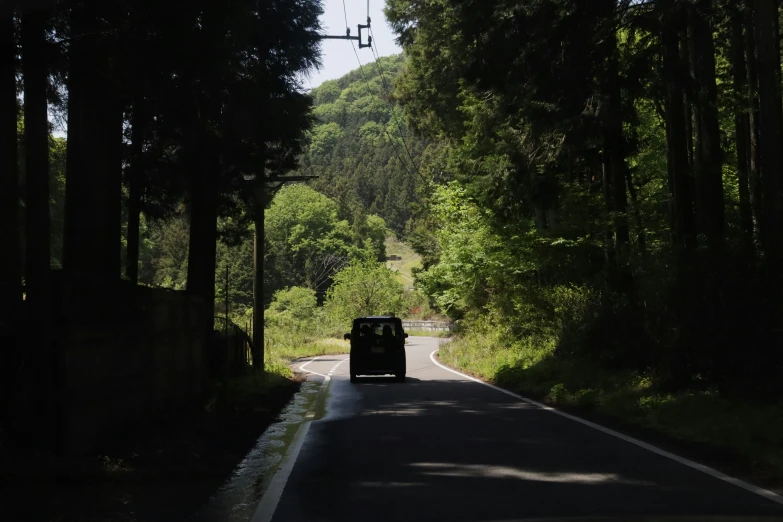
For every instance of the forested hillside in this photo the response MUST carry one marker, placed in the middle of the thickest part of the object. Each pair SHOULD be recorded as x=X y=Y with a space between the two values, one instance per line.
x=360 y=148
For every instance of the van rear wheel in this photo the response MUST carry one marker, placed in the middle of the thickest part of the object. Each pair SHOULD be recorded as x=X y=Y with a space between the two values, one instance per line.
x=400 y=377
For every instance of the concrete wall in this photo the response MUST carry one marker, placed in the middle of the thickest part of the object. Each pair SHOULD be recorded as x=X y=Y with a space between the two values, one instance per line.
x=229 y=356
x=145 y=357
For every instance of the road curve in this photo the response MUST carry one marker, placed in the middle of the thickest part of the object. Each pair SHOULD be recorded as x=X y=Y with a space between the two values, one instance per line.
x=442 y=447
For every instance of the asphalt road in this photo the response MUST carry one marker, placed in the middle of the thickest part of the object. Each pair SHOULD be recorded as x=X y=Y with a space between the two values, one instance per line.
x=441 y=447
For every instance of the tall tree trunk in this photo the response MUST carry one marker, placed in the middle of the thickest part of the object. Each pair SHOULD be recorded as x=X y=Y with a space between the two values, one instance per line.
x=676 y=141
x=39 y=350
x=674 y=232
x=709 y=173
x=91 y=246
x=609 y=242
x=690 y=131
x=776 y=52
x=36 y=130
x=741 y=126
x=135 y=189
x=202 y=248
x=114 y=120
x=754 y=144
x=688 y=50
x=641 y=233
x=10 y=260
x=617 y=253
x=204 y=165
x=771 y=132
x=615 y=147
x=690 y=127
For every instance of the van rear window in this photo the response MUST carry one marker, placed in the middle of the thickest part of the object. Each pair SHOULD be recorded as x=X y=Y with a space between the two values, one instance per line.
x=377 y=328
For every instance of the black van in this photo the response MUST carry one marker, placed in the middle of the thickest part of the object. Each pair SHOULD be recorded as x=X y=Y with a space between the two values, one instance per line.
x=377 y=347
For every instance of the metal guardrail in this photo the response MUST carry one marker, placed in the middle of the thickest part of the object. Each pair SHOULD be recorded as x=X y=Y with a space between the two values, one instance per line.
x=434 y=326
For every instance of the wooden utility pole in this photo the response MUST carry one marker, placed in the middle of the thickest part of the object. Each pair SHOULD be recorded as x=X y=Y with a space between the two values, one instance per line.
x=260 y=197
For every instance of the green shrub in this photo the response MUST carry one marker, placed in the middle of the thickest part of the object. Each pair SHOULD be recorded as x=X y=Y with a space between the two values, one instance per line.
x=293 y=309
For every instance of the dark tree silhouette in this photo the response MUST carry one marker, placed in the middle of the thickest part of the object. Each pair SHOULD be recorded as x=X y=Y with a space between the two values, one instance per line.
x=10 y=261
x=36 y=146
x=768 y=70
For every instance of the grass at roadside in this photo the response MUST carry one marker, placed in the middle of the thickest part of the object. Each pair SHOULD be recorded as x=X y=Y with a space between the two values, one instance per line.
x=408 y=260
x=751 y=430
x=251 y=391
x=282 y=348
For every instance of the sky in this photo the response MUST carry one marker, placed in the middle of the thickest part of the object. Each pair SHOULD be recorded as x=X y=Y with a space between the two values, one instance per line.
x=337 y=56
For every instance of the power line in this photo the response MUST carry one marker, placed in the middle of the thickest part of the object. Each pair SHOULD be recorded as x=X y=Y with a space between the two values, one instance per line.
x=394 y=116
x=391 y=139
x=366 y=81
x=345 y=12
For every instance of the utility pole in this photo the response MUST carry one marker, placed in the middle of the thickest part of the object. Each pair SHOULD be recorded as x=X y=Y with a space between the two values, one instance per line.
x=260 y=197
x=348 y=36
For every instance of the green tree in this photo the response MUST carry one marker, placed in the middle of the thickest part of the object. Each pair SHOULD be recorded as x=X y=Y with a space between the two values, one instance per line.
x=57 y=154
x=305 y=242
x=237 y=257
x=324 y=138
x=376 y=233
x=169 y=255
x=364 y=288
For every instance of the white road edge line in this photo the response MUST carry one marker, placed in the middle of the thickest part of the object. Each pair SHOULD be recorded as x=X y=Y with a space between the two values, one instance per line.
x=267 y=506
x=774 y=497
x=302 y=367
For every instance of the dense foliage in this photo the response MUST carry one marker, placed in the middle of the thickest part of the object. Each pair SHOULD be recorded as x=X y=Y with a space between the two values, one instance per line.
x=366 y=189
x=601 y=190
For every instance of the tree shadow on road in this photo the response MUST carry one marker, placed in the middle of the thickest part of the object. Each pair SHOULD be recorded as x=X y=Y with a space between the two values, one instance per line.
x=453 y=450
